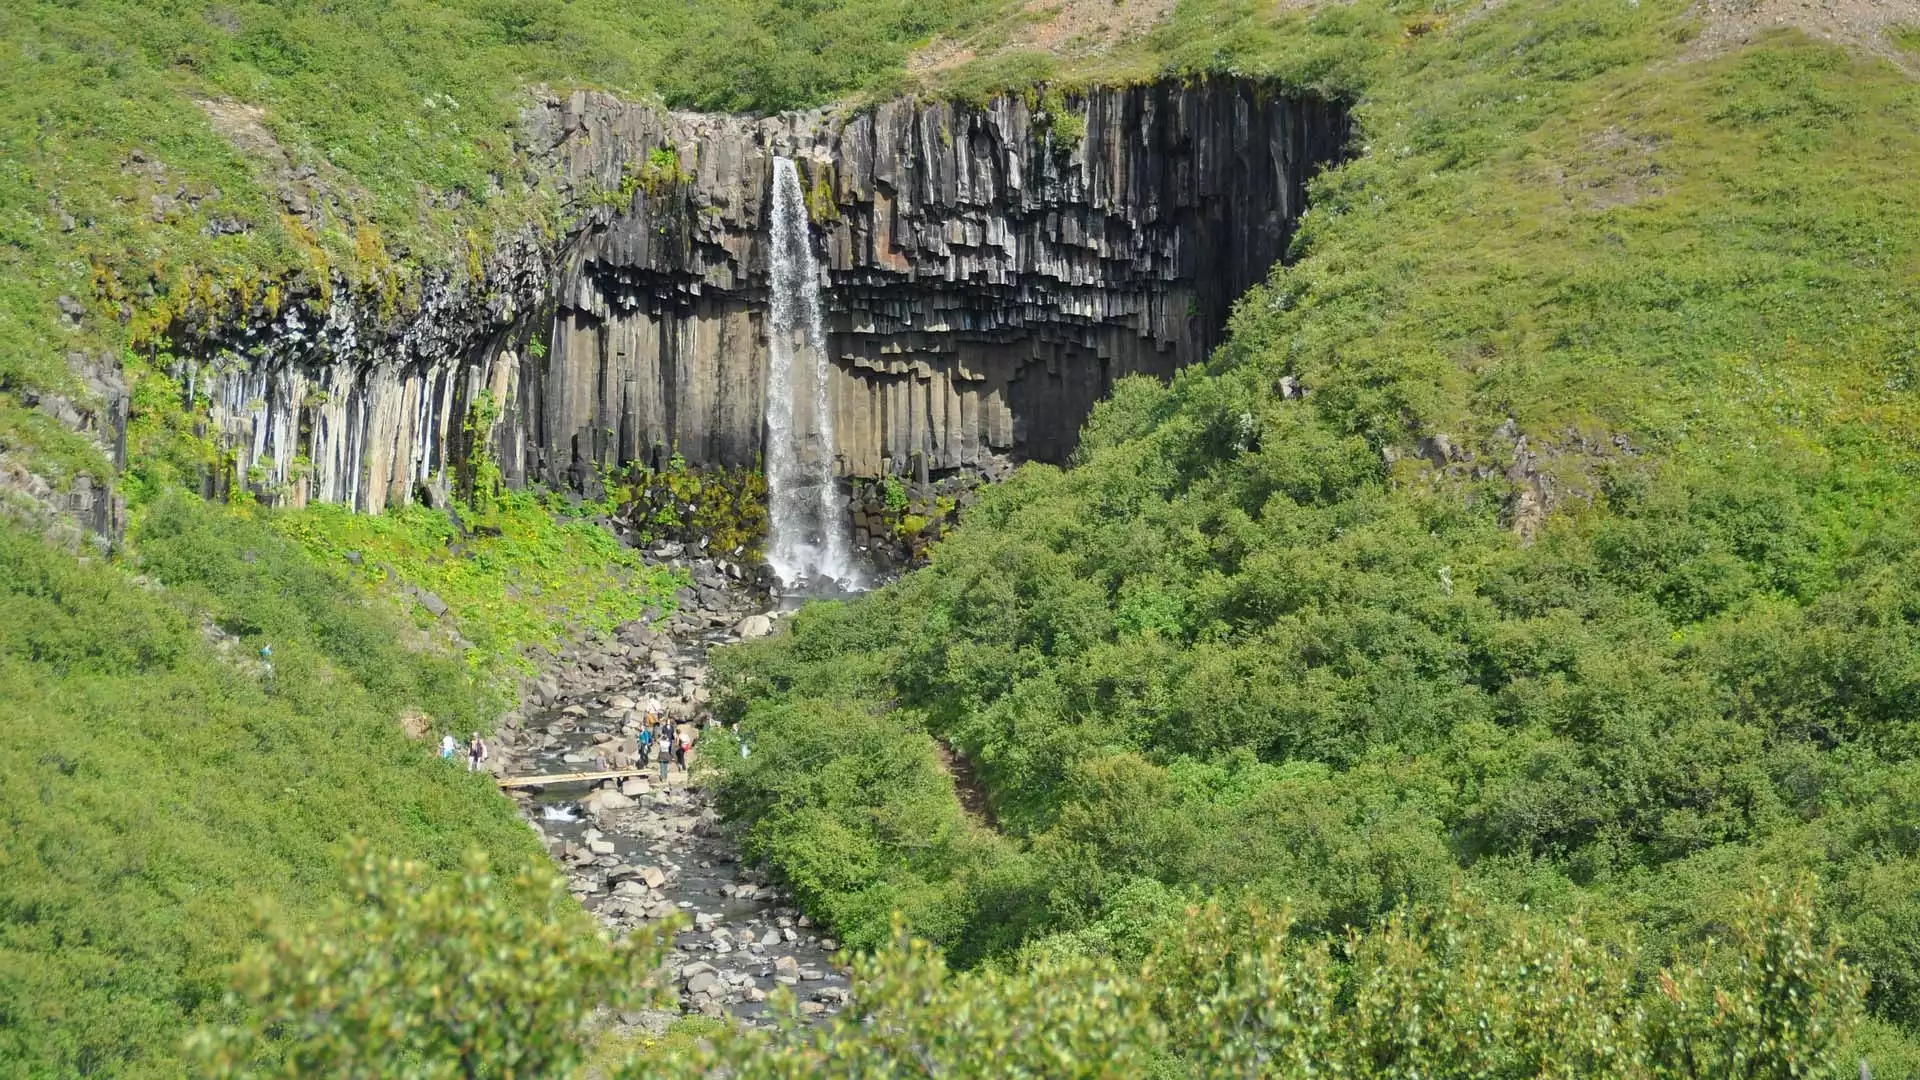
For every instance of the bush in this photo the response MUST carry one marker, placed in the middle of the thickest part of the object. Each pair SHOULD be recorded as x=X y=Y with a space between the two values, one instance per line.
x=428 y=975
x=431 y=979
x=159 y=784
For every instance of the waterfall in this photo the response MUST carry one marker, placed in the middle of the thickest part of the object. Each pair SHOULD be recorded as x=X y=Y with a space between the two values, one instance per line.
x=809 y=544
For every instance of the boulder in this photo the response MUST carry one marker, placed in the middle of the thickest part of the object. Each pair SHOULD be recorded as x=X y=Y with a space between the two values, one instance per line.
x=417 y=725
x=653 y=1022
x=610 y=799
x=753 y=626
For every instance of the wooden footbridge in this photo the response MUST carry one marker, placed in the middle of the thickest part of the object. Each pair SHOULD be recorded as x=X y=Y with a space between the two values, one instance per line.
x=568 y=778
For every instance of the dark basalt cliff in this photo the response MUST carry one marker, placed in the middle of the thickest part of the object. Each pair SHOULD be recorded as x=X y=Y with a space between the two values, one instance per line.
x=988 y=277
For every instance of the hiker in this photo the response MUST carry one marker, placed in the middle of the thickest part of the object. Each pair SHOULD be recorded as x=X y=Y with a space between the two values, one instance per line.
x=681 y=745
x=646 y=744
x=448 y=746
x=476 y=753
x=660 y=747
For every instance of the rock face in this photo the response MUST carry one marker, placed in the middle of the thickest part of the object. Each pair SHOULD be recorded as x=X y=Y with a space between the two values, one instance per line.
x=987 y=280
x=989 y=273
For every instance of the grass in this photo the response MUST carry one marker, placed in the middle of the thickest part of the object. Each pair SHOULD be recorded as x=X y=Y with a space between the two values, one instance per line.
x=525 y=581
x=159 y=787
x=610 y=1051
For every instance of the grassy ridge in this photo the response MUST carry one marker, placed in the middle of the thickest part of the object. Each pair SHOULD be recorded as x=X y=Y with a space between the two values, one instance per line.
x=1297 y=647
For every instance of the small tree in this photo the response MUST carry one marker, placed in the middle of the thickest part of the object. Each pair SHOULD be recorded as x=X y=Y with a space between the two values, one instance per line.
x=1786 y=1009
x=428 y=976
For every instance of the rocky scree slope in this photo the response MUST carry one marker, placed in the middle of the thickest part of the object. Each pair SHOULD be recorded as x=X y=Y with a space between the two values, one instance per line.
x=642 y=849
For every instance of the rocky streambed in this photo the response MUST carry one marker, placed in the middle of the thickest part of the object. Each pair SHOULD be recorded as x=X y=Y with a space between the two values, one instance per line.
x=642 y=851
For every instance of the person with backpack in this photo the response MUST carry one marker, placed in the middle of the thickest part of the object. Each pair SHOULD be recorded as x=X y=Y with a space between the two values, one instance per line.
x=646 y=743
x=681 y=744
x=476 y=753
x=448 y=746
x=662 y=745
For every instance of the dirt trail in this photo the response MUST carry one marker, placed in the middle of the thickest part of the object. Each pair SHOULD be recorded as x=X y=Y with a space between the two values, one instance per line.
x=971 y=792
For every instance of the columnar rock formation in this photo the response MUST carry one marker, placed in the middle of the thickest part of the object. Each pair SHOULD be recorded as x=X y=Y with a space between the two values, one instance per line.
x=989 y=272
x=988 y=277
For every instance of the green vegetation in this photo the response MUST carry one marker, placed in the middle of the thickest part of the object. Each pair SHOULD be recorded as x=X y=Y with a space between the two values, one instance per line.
x=1066 y=124
x=415 y=976
x=515 y=579
x=160 y=781
x=446 y=979
x=1308 y=650
x=662 y=172
x=1348 y=734
x=164 y=777
x=725 y=507
x=893 y=492
x=515 y=576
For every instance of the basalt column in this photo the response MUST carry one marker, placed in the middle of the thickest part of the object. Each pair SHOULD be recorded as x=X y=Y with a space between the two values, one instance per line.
x=985 y=274
x=989 y=271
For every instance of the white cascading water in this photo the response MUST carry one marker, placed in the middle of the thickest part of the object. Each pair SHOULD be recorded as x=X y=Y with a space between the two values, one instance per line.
x=810 y=550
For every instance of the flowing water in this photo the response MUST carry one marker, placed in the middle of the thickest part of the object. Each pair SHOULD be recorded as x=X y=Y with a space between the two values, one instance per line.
x=661 y=852
x=809 y=549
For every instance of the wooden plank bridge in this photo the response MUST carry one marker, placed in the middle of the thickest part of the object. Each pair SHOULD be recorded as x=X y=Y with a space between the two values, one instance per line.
x=568 y=778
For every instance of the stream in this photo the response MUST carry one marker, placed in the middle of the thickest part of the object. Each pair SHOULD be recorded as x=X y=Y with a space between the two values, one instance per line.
x=644 y=850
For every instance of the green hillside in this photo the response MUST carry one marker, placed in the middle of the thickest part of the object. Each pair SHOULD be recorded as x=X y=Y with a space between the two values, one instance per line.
x=1583 y=573
x=1523 y=600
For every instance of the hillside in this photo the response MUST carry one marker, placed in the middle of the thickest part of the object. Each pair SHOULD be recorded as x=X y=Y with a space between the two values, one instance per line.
x=1546 y=527
x=164 y=167
x=1500 y=657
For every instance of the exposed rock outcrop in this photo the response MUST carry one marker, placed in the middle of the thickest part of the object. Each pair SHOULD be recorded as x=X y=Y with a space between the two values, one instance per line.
x=987 y=279
x=989 y=273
